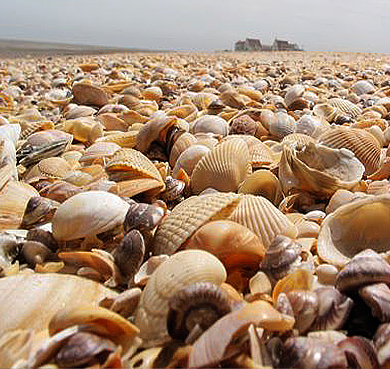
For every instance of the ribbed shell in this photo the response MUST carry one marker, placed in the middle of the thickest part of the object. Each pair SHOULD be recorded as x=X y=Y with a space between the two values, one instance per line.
x=180 y=270
x=261 y=154
x=297 y=139
x=263 y=218
x=130 y=164
x=224 y=168
x=123 y=139
x=189 y=158
x=54 y=167
x=283 y=125
x=190 y=215
x=210 y=124
x=346 y=106
x=136 y=186
x=99 y=150
x=363 y=144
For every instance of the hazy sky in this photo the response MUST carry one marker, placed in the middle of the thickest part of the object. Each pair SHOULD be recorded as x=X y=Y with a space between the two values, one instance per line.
x=201 y=25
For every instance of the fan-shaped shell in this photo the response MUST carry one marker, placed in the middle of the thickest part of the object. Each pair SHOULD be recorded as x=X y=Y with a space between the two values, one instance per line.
x=129 y=164
x=176 y=273
x=346 y=106
x=263 y=218
x=362 y=143
x=224 y=168
x=188 y=216
x=353 y=227
x=311 y=125
x=88 y=213
x=210 y=124
x=283 y=125
x=99 y=150
x=123 y=139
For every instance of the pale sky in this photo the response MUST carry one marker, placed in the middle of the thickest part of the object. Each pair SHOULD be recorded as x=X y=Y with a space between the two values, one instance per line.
x=201 y=25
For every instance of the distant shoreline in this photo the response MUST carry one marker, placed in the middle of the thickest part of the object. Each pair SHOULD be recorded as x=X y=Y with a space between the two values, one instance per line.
x=23 y=48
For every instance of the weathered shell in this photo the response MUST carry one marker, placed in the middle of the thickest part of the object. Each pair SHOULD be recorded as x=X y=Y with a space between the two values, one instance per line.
x=88 y=213
x=293 y=98
x=190 y=215
x=133 y=187
x=123 y=139
x=99 y=150
x=263 y=218
x=224 y=168
x=363 y=144
x=131 y=164
x=55 y=167
x=176 y=273
x=362 y=87
x=87 y=94
x=311 y=125
x=354 y=227
x=189 y=158
x=210 y=124
x=377 y=296
x=346 y=107
x=182 y=143
x=283 y=125
x=318 y=169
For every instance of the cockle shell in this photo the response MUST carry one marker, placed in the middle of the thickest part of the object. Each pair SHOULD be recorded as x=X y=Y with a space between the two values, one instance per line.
x=188 y=216
x=224 y=168
x=283 y=125
x=354 y=227
x=174 y=274
x=363 y=144
x=210 y=123
x=318 y=169
x=88 y=213
x=99 y=150
x=346 y=106
x=189 y=158
x=133 y=187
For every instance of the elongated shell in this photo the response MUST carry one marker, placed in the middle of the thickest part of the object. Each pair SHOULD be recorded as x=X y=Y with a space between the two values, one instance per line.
x=263 y=218
x=176 y=273
x=353 y=227
x=362 y=143
x=29 y=292
x=224 y=168
x=190 y=215
x=88 y=213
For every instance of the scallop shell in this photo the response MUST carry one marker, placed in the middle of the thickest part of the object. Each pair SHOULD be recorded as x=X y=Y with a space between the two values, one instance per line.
x=176 y=273
x=224 y=168
x=97 y=212
x=353 y=227
x=99 y=150
x=263 y=218
x=363 y=144
x=346 y=107
x=188 y=216
x=283 y=125
x=130 y=164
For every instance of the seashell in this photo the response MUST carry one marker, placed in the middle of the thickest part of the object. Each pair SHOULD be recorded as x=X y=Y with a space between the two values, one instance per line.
x=305 y=308
x=354 y=227
x=365 y=268
x=294 y=98
x=233 y=99
x=244 y=125
x=326 y=274
x=59 y=96
x=189 y=158
x=84 y=129
x=30 y=291
x=377 y=297
x=89 y=67
x=183 y=111
x=143 y=217
x=224 y=168
x=283 y=125
x=182 y=143
x=122 y=139
x=60 y=191
x=74 y=111
x=359 y=351
x=311 y=125
x=210 y=124
x=87 y=94
x=112 y=122
x=97 y=212
x=48 y=136
x=38 y=210
x=212 y=347
x=99 y=150
x=148 y=186
x=263 y=218
x=188 y=216
x=364 y=145
x=152 y=93
x=233 y=244
x=362 y=87
x=381 y=339
x=346 y=107
x=262 y=183
x=131 y=164
x=330 y=336
x=176 y=273
x=342 y=197
x=318 y=169
x=148 y=268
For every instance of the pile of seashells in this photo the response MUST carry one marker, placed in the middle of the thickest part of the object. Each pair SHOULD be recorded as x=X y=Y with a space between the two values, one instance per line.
x=192 y=210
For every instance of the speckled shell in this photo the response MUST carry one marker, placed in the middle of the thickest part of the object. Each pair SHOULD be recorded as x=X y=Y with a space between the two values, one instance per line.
x=176 y=273
x=362 y=143
x=346 y=107
x=88 y=213
x=188 y=216
x=353 y=227
x=224 y=168
x=263 y=218
x=130 y=164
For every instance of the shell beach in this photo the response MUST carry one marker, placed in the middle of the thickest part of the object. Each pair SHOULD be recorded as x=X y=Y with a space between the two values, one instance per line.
x=173 y=210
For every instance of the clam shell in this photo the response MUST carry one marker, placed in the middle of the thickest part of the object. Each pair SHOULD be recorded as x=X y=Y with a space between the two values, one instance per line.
x=311 y=125
x=87 y=94
x=354 y=227
x=189 y=158
x=190 y=215
x=224 y=168
x=123 y=139
x=131 y=164
x=97 y=212
x=181 y=144
x=263 y=218
x=136 y=186
x=346 y=107
x=99 y=150
x=283 y=125
x=176 y=273
x=210 y=123
x=363 y=144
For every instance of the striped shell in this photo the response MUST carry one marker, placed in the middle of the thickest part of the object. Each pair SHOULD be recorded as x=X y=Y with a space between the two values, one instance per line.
x=363 y=144
x=354 y=227
x=190 y=215
x=283 y=125
x=224 y=168
x=346 y=107
x=129 y=164
x=180 y=270
x=296 y=139
x=263 y=218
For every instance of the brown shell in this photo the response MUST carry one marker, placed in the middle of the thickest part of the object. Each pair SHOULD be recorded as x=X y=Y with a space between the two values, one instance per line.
x=190 y=215
x=133 y=187
x=224 y=168
x=363 y=144
x=123 y=139
x=86 y=94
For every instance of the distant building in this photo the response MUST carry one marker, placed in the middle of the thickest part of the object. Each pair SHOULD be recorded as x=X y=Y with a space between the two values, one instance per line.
x=250 y=44
x=280 y=45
